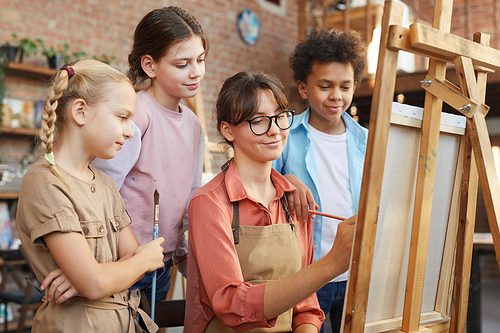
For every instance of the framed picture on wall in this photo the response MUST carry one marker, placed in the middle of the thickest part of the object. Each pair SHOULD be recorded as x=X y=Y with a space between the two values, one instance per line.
x=248 y=26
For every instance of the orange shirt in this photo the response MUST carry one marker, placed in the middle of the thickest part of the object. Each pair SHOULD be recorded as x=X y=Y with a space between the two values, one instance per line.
x=215 y=281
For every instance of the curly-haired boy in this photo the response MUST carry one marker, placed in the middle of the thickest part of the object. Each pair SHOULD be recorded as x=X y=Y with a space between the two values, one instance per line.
x=326 y=147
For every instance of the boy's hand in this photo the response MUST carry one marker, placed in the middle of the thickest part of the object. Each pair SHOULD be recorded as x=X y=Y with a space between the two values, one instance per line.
x=300 y=200
x=59 y=287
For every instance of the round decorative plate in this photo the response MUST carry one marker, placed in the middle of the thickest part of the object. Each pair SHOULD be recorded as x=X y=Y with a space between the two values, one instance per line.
x=248 y=26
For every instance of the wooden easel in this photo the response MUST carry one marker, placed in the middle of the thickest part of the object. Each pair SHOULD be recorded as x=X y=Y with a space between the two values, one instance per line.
x=441 y=47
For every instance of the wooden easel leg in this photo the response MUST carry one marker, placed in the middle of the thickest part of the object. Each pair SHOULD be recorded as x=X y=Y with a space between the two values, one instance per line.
x=366 y=225
x=423 y=205
x=484 y=155
x=468 y=200
x=425 y=183
x=487 y=177
x=465 y=238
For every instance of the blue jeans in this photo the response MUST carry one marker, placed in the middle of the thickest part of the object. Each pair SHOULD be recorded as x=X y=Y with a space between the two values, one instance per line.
x=331 y=300
x=163 y=280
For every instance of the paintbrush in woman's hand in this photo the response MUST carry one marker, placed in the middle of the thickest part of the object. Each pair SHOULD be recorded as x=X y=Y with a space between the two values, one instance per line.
x=326 y=215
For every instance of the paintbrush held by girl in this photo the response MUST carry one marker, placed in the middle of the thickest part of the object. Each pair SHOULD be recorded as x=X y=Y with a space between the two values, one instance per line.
x=71 y=219
x=250 y=265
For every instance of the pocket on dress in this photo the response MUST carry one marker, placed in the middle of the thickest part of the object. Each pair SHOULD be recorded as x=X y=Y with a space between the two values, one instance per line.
x=95 y=233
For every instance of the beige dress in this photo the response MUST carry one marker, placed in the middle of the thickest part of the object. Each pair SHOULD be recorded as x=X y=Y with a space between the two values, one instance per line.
x=96 y=210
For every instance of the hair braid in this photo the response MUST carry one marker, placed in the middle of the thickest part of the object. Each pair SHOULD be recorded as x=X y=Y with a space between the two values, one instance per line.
x=49 y=116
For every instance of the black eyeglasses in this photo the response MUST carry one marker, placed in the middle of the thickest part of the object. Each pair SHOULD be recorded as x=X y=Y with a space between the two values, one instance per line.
x=262 y=124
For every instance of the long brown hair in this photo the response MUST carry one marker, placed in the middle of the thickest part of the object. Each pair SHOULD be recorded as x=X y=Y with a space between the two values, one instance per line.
x=156 y=33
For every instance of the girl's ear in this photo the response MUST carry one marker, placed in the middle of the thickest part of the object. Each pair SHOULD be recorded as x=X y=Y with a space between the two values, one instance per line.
x=226 y=131
x=79 y=111
x=148 y=65
x=302 y=89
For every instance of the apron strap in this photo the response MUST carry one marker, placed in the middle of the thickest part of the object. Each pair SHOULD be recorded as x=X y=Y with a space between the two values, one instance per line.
x=235 y=225
x=236 y=222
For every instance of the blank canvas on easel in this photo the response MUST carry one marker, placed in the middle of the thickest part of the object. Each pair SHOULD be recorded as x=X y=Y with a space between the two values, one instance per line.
x=388 y=277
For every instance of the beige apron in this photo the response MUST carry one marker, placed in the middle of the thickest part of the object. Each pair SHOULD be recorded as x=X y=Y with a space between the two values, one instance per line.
x=266 y=253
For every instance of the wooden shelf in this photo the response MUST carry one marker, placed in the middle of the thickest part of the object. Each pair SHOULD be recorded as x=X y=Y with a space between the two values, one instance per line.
x=9 y=195
x=18 y=68
x=18 y=131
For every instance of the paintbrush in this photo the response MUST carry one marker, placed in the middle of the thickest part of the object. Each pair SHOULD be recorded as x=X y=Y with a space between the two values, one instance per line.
x=326 y=215
x=155 y=236
x=37 y=289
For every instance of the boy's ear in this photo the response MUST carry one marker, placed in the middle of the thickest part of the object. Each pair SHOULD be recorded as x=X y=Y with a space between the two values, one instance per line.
x=355 y=85
x=79 y=111
x=226 y=131
x=302 y=89
x=148 y=65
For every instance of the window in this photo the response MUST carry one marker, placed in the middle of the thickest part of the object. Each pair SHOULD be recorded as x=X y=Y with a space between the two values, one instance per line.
x=277 y=7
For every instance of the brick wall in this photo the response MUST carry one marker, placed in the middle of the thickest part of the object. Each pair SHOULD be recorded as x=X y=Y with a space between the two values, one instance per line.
x=106 y=27
x=469 y=16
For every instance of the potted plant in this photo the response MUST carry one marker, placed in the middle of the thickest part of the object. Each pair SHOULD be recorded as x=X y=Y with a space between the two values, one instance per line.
x=14 y=51
x=58 y=58
x=54 y=58
x=105 y=58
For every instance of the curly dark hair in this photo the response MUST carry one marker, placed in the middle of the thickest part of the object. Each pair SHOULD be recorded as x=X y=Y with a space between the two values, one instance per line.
x=322 y=46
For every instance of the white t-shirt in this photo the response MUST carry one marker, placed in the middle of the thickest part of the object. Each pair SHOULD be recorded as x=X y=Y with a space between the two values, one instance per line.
x=330 y=154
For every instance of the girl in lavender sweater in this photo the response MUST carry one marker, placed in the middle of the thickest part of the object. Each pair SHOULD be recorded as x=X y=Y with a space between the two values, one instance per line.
x=167 y=63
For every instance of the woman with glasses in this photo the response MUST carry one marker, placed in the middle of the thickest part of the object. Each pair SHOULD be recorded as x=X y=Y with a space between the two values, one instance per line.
x=250 y=265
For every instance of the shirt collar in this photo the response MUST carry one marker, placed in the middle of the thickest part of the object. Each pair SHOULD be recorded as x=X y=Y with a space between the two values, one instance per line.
x=302 y=119
x=236 y=190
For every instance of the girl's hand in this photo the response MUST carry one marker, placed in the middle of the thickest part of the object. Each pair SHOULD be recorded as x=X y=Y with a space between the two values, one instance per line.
x=59 y=287
x=152 y=254
x=300 y=200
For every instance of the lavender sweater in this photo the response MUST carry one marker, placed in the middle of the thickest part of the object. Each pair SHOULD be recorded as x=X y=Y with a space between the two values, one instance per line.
x=166 y=153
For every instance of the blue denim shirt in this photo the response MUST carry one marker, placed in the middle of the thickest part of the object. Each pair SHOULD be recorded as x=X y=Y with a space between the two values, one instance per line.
x=298 y=159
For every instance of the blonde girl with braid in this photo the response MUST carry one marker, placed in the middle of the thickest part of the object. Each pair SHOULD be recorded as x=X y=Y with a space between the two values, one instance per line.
x=71 y=218
x=167 y=64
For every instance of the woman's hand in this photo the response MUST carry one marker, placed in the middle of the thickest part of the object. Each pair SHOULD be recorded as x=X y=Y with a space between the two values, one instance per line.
x=59 y=287
x=300 y=200
x=340 y=253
